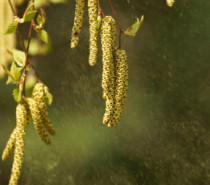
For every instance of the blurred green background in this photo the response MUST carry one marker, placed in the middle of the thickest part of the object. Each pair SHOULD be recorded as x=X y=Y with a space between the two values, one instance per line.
x=163 y=137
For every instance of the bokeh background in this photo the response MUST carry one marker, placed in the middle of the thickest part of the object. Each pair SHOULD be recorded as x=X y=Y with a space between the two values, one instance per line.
x=163 y=137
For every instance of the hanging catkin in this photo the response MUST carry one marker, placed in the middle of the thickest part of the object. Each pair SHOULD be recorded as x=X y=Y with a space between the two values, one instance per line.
x=121 y=84
x=37 y=120
x=21 y=121
x=10 y=145
x=108 y=76
x=6 y=41
x=38 y=95
x=78 y=20
x=11 y=142
x=93 y=23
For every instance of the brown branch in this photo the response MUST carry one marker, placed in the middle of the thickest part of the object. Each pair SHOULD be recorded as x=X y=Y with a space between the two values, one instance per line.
x=27 y=49
x=23 y=45
x=99 y=6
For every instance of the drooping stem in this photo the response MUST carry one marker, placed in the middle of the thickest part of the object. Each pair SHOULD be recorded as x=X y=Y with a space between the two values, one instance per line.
x=99 y=6
x=121 y=30
x=23 y=45
x=27 y=49
x=100 y=12
x=18 y=28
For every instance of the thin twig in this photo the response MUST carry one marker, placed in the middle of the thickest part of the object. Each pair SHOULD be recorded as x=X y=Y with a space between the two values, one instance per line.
x=99 y=6
x=22 y=41
x=27 y=60
x=121 y=30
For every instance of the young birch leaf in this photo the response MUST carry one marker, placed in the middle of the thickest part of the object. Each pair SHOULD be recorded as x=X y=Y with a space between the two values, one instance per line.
x=48 y=96
x=11 y=28
x=30 y=82
x=17 y=94
x=43 y=35
x=38 y=48
x=18 y=56
x=58 y=1
x=43 y=15
x=39 y=20
x=29 y=16
x=15 y=73
x=131 y=31
x=8 y=72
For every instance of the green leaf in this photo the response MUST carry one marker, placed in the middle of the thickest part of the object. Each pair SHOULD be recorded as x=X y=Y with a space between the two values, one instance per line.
x=58 y=1
x=39 y=20
x=18 y=56
x=43 y=14
x=43 y=35
x=7 y=71
x=38 y=48
x=48 y=96
x=17 y=94
x=12 y=28
x=30 y=82
x=131 y=31
x=15 y=73
x=29 y=15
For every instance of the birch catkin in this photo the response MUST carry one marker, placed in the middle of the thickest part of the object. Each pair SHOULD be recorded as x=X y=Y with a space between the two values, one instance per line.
x=93 y=23
x=37 y=120
x=21 y=121
x=78 y=20
x=108 y=78
x=121 y=84
x=38 y=95
x=10 y=145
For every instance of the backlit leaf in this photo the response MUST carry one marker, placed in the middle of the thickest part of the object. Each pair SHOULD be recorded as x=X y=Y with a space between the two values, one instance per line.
x=15 y=73
x=18 y=56
x=43 y=35
x=29 y=16
x=30 y=82
x=39 y=20
x=131 y=31
x=48 y=96
x=38 y=48
x=58 y=1
x=12 y=28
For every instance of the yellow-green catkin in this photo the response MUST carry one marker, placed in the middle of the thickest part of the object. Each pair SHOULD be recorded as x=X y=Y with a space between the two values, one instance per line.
x=37 y=120
x=10 y=145
x=121 y=85
x=38 y=95
x=6 y=41
x=108 y=74
x=78 y=20
x=21 y=121
x=93 y=23
x=170 y=3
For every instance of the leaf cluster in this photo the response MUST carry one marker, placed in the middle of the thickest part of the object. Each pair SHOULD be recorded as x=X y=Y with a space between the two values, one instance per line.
x=29 y=16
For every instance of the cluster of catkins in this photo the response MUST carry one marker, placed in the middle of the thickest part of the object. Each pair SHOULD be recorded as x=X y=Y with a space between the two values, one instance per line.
x=7 y=41
x=34 y=107
x=114 y=60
